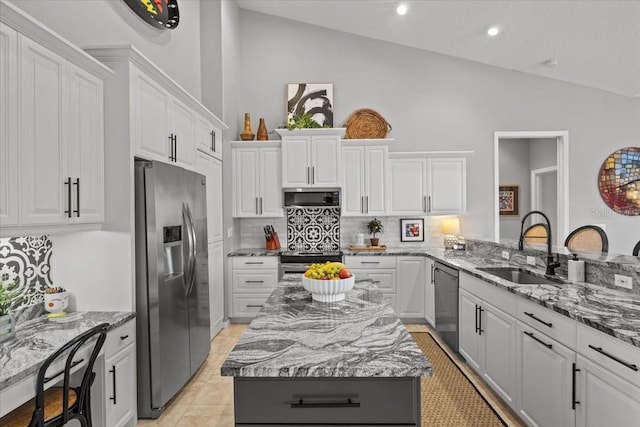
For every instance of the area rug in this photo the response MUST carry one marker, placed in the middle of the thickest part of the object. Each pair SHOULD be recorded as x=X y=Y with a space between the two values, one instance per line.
x=448 y=397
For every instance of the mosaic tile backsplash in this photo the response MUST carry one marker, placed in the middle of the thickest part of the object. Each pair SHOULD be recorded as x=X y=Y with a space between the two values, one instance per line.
x=26 y=262
x=313 y=229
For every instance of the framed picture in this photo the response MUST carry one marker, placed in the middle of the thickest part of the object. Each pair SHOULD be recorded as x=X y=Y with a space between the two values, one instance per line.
x=509 y=200
x=315 y=99
x=412 y=230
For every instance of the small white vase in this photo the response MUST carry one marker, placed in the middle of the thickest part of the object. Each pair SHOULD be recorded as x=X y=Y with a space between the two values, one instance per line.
x=56 y=303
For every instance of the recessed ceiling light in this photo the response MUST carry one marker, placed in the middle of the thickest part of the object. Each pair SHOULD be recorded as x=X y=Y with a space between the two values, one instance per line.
x=402 y=9
x=494 y=30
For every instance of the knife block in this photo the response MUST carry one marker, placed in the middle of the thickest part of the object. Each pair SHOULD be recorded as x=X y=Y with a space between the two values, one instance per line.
x=273 y=242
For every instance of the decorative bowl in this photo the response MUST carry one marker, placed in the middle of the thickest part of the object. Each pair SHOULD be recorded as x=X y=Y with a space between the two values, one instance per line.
x=328 y=290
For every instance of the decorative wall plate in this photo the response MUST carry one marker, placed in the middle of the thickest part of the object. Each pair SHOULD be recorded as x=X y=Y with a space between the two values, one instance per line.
x=619 y=181
x=162 y=14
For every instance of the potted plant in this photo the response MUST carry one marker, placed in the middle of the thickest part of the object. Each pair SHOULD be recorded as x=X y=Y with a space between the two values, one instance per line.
x=7 y=324
x=374 y=227
x=305 y=121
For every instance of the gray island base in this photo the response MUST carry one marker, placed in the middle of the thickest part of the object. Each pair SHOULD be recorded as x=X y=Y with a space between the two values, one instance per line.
x=303 y=362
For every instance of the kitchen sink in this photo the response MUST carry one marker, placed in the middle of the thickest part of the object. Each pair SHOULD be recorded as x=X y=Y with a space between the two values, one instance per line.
x=520 y=276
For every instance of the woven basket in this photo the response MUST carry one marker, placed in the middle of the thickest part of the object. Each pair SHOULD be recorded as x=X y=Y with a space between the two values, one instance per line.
x=366 y=124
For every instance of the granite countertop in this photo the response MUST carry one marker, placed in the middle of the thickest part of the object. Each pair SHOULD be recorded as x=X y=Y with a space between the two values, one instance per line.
x=295 y=336
x=37 y=339
x=613 y=312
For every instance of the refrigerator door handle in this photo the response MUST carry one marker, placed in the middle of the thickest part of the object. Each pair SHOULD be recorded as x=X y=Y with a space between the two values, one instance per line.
x=192 y=252
x=186 y=251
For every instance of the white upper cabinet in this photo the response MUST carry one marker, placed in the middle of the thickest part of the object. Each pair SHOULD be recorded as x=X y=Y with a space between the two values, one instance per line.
x=208 y=137
x=150 y=118
x=311 y=157
x=52 y=128
x=257 y=191
x=407 y=186
x=446 y=186
x=184 y=133
x=8 y=126
x=212 y=169
x=426 y=186
x=364 y=178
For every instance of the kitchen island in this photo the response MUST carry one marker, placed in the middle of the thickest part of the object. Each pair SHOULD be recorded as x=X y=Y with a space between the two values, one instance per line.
x=303 y=361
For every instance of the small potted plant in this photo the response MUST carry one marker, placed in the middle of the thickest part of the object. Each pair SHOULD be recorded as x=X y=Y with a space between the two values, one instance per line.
x=56 y=300
x=374 y=227
x=7 y=324
x=304 y=121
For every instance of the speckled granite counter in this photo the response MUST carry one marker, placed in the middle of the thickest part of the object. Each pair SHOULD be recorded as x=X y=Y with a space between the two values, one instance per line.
x=294 y=336
x=614 y=312
x=37 y=339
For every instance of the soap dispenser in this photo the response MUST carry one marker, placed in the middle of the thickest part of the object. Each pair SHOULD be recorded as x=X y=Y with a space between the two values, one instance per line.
x=576 y=269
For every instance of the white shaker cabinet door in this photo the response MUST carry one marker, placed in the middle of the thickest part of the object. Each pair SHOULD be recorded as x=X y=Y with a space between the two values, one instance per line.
x=246 y=187
x=86 y=147
x=270 y=197
x=216 y=286
x=45 y=182
x=325 y=164
x=430 y=293
x=208 y=137
x=296 y=156
x=121 y=388
x=184 y=133
x=352 y=203
x=407 y=194
x=375 y=173
x=470 y=341
x=8 y=126
x=212 y=169
x=447 y=186
x=150 y=118
x=410 y=287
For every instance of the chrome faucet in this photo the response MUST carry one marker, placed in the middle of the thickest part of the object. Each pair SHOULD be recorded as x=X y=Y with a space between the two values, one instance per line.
x=551 y=264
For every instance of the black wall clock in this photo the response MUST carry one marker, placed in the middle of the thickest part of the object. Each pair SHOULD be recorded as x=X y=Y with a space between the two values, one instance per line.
x=157 y=13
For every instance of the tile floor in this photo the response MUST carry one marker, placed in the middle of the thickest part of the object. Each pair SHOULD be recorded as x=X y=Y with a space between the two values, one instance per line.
x=207 y=399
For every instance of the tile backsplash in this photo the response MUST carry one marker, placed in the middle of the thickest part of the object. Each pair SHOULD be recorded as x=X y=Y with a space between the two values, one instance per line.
x=313 y=229
x=26 y=262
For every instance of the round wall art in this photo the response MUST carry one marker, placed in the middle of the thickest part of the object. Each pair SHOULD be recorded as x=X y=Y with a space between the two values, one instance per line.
x=619 y=181
x=157 y=13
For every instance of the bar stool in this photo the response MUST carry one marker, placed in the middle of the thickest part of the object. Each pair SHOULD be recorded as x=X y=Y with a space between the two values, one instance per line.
x=57 y=405
x=537 y=233
x=636 y=249
x=588 y=238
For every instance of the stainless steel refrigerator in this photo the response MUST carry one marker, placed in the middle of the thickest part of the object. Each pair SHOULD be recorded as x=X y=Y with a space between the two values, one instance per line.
x=172 y=284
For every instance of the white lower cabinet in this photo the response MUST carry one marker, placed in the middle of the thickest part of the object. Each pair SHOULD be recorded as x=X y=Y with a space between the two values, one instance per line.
x=252 y=281
x=381 y=269
x=216 y=286
x=120 y=398
x=410 y=278
x=545 y=379
x=487 y=334
x=430 y=293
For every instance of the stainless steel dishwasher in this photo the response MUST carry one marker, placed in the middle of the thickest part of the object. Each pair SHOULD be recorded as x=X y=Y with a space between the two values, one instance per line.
x=446 y=284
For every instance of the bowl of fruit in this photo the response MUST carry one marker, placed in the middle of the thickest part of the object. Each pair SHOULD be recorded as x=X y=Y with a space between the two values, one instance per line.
x=328 y=282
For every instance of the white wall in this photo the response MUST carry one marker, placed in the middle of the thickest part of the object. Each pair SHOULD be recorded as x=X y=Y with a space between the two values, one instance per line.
x=514 y=170
x=436 y=102
x=88 y=23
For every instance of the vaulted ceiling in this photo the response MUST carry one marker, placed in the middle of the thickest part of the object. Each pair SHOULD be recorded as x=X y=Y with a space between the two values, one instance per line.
x=591 y=43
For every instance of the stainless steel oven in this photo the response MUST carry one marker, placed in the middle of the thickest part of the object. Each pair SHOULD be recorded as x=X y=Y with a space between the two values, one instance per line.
x=299 y=262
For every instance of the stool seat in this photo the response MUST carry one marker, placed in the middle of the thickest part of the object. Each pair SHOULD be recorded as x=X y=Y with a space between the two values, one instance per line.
x=21 y=416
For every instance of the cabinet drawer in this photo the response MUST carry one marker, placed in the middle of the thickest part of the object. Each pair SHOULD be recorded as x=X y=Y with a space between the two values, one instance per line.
x=554 y=325
x=247 y=305
x=497 y=297
x=255 y=262
x=120 y=337
x=327 y=401
x=254 y=281
x=618 y=357
x=369 y=262
x=385 y=278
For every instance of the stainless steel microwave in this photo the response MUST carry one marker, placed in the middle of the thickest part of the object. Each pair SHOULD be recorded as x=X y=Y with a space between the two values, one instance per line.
x=311 y=197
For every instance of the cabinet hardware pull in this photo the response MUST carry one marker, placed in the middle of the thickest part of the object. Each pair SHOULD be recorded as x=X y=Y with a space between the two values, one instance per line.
x=77 y=184
x=548 y=324
x=254 y=305
x=539 y=340
x=171 y=147
x=308 y=175
x=257 y=213
x=74 y=363
x=175 y=148
x=361 y=204
x=68 y=184
x=348 y=404
x=366 y=205
x=313 y=174
x=424 y=204
x=113 y=371
x=631 y=366
x=260 y=205
x=253 y=262
x=429 y=204
x=574 y=402
x=477 y=308
x=369 y=262
x=254 y=281
x=124 y=337
x=213 y=140
x=480 y=310
x=433 y=274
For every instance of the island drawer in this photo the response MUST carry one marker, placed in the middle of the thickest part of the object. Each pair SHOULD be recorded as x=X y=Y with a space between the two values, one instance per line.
x=254 y=262
x=247 y=305
x=120 y=337
x=367 y=401
x=355 y=262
